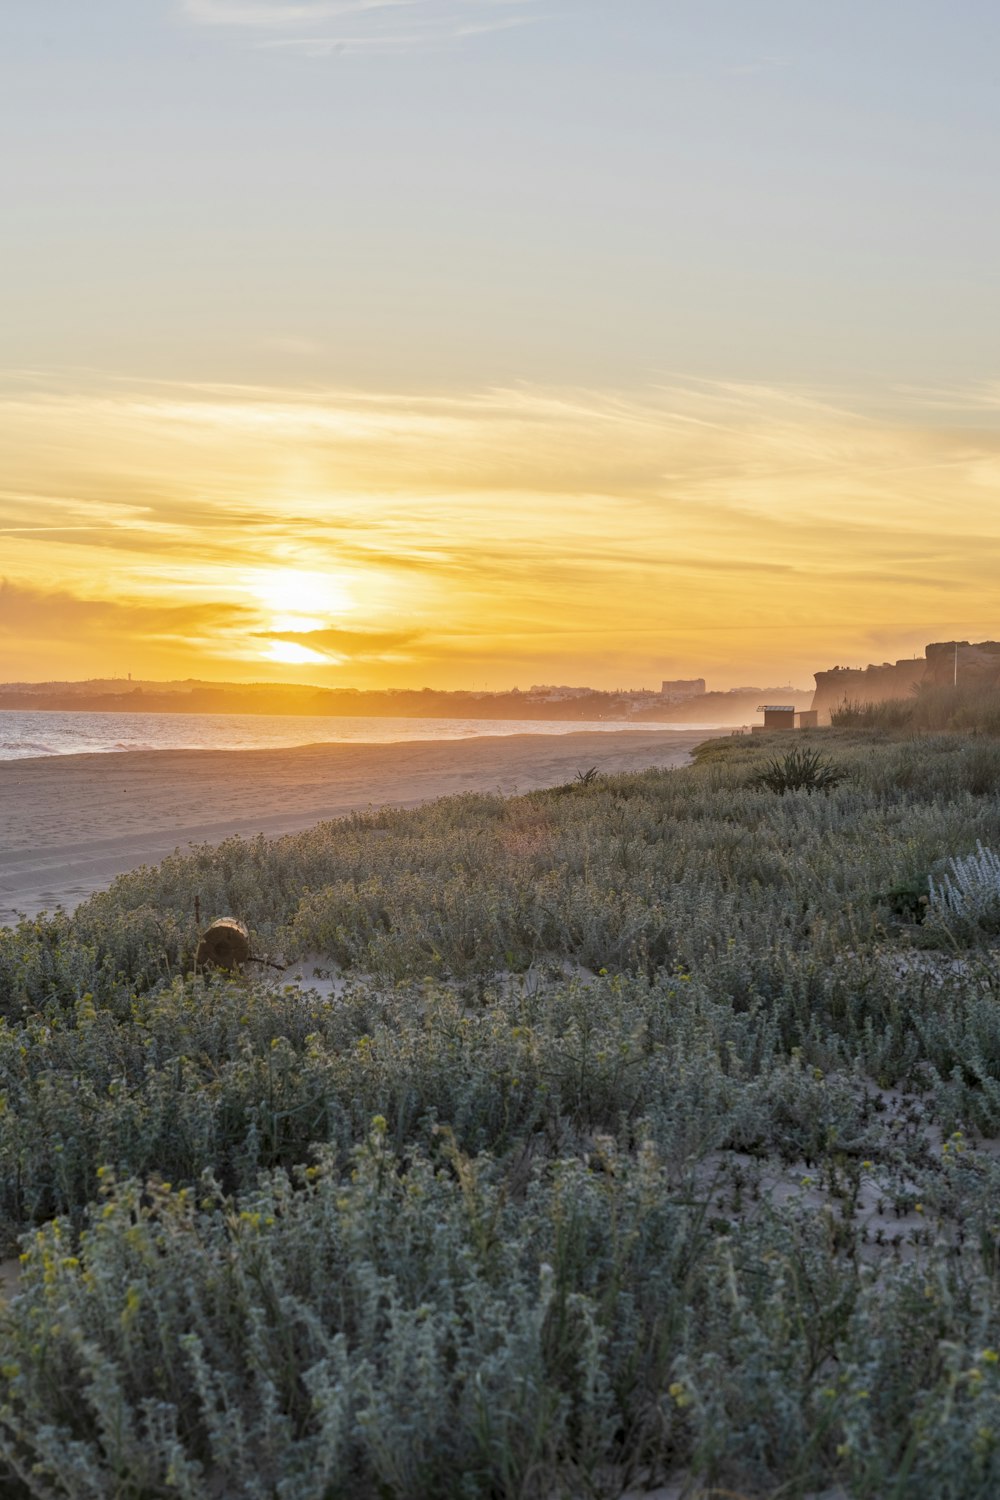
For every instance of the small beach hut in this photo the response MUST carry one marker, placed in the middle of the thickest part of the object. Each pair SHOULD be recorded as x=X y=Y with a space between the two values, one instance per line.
x=776 y=716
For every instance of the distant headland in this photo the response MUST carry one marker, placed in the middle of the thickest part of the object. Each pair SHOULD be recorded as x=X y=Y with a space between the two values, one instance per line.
x=676 y=702
x=680 y=701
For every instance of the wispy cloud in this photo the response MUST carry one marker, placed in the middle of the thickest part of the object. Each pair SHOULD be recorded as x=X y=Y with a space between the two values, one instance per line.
x=352 y=643
x=263 y=15
x=361 y=26
x=55 y=615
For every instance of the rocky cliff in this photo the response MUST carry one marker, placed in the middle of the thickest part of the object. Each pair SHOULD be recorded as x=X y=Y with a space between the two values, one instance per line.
x=979 y=662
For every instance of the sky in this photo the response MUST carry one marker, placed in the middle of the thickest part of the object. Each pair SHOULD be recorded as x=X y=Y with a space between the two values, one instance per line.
x=472 y=343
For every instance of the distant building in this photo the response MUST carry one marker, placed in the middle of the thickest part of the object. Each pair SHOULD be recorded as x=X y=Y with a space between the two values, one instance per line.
x=683 y=687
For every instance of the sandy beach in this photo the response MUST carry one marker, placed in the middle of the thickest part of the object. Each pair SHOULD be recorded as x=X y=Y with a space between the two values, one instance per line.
x=69 y=824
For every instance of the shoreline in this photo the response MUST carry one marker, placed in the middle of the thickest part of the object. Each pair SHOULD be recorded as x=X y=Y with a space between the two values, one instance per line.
x=70 y=823
x=28 y=737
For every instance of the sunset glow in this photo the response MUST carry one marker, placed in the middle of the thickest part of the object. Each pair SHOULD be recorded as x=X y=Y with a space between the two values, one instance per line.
x=309 y=598
x=511 y=537
x=351 y=371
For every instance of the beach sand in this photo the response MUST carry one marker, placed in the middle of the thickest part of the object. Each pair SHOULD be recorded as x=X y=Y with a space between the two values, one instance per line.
x=70 y=823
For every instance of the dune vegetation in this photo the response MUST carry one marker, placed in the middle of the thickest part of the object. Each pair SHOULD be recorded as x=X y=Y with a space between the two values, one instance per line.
x=643 y=1127
x=932 y=708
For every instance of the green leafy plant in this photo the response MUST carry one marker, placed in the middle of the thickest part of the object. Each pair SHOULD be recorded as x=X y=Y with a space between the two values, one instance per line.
x=908 y=899
x=800 y=770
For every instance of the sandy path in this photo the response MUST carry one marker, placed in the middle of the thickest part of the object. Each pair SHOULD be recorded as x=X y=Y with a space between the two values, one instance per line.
x=69 y=824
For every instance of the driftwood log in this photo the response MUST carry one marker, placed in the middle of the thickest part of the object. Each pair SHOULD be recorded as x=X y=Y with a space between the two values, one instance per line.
x=224 y=945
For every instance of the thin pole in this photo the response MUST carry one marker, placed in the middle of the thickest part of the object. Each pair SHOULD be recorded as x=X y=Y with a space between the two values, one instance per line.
x=956 y=664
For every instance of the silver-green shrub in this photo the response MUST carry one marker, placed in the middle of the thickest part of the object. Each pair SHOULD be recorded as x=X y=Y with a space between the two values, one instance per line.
x=967 y=892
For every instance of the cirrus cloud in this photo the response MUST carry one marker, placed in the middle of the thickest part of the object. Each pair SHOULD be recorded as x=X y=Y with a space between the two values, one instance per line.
x=361 y=26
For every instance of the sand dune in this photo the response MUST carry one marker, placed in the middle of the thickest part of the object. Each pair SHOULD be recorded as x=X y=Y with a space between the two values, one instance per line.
x=69 y=824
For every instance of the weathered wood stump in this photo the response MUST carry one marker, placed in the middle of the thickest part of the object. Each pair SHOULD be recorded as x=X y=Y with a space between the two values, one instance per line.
x=224 y=945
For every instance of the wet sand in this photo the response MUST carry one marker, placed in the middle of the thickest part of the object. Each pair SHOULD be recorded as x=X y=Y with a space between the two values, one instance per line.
x=70 y=823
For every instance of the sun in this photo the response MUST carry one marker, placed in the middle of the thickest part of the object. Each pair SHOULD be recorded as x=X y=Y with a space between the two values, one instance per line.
x=301 y=602
x=309 y=598
x=292 y=654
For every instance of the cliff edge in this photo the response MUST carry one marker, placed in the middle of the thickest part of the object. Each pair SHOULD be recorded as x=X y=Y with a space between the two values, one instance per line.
x=977 y=662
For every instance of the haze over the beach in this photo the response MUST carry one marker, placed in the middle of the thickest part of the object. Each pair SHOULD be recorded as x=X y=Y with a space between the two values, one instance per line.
x=482 y=342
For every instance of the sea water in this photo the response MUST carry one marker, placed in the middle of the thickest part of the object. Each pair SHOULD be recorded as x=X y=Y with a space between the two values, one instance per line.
x=26 y=734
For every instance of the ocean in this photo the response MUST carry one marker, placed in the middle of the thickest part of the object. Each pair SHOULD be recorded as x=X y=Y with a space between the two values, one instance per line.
x=25 y=735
